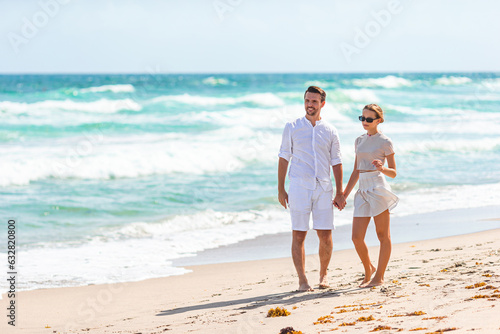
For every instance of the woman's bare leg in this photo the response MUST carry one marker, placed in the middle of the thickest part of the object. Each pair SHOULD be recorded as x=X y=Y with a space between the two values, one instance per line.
x=382 y=225
x=359 y=226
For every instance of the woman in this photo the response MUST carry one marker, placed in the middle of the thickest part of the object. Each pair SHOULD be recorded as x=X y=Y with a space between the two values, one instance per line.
x=374 y=197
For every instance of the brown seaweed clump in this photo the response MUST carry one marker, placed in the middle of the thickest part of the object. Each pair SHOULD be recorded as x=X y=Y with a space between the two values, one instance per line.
x=486 y=296
x=277 y=312
x=380 y=328
x=361 y=308
x=289 y=330
x=348 y=323
x=417 y=313
x=370 y=318
x=344 y=306
x=324 y=320
x=408 y=314
x=488 y=287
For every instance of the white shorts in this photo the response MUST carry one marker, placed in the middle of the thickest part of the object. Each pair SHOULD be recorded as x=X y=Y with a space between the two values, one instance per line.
x=374 y=195
x=302 y=202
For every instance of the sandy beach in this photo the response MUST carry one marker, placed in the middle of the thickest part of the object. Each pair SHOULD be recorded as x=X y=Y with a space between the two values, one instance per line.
x=439 y=284
x=157 y=157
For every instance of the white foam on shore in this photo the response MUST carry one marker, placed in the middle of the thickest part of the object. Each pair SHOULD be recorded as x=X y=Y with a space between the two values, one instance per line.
x=142 y=250
x=424 y=200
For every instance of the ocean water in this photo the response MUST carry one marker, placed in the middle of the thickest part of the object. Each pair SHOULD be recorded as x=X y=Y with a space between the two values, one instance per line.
x=111 y=177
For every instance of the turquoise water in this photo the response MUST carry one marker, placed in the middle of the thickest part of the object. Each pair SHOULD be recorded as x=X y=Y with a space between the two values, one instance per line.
x=116 y=175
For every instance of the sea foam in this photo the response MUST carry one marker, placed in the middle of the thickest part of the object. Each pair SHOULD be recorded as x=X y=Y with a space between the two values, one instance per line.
x=142 y=250
x=263 y=99
x=451 y=80
x=127 y=88
x=389 y=81
x=213 y=81
x=99 y=106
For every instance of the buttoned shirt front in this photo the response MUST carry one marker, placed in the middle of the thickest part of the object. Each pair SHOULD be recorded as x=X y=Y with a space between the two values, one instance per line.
x=312 y=150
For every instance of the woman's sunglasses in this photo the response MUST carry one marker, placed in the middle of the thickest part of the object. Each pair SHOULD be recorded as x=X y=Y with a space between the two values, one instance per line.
x=368 y=119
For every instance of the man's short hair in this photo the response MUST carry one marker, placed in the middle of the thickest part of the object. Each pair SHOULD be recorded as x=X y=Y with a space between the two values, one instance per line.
x=316 y=89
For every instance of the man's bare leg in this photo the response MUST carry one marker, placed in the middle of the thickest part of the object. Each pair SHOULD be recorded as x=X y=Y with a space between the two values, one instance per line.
x=299 y=259
x=359 y=226
x=325 y=254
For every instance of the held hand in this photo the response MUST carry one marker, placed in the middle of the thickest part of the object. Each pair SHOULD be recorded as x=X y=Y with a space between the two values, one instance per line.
x=283 y=198
x=378 y=164
x=339 y=202
x=344 y=201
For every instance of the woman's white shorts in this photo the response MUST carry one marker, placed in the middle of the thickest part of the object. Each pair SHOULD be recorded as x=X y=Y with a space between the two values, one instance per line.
x=302 y=202
x=374 y=195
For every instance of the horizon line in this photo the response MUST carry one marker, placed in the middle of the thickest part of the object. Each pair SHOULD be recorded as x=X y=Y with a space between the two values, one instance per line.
x=229 y=73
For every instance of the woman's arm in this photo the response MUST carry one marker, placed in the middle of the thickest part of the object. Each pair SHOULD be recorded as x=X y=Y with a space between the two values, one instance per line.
x=390 y=170
x=352 y=180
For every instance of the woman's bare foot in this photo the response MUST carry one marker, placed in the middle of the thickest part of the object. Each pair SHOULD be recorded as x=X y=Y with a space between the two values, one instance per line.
x=323 y=282
x=375 y=282
x=304 y=287
x=368 y=276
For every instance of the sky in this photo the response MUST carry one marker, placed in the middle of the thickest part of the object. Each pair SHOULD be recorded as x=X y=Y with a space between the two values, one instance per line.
x=243 y=36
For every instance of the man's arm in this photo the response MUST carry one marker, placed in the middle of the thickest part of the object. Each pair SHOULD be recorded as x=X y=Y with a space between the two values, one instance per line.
x=285 y=156
x=338 y=174
x=336 y=163
x=282 y=169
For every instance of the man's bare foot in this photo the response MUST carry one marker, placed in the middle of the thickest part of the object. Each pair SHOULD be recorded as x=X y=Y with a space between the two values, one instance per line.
x=323 y=282
x=304 y=287
x=368 y=276
x=375 y=282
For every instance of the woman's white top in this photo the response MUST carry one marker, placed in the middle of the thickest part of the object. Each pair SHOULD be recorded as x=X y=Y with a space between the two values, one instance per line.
x=369 y=148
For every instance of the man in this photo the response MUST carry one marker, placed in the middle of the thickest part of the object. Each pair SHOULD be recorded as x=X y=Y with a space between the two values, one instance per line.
x=313 y=145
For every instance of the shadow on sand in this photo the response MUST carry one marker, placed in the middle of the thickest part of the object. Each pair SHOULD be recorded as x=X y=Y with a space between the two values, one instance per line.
x=284 y=298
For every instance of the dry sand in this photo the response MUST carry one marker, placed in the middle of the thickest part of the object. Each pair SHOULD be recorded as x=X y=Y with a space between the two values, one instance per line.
x=426 y=287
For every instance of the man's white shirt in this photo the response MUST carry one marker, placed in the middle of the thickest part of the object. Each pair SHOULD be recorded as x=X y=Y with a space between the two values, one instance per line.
x=312 y=150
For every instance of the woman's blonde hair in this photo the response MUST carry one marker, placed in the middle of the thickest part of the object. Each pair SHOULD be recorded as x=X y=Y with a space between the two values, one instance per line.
x=377 y=110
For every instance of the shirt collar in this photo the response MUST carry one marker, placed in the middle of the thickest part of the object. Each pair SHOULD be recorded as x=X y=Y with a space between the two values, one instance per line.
x=308 y=121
